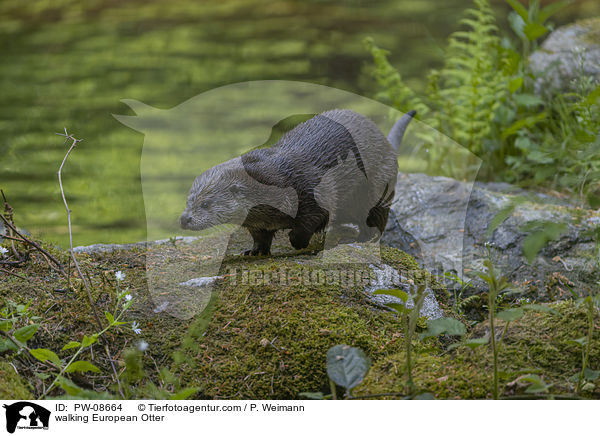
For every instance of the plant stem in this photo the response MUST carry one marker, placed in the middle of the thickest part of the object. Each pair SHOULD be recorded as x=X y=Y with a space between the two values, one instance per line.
x=83 y=279
x=408 y=356
x=81 y=348
x=333 y=389
x=491 y=307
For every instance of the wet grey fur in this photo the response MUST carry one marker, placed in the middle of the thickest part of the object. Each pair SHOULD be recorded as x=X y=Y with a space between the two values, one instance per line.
x=334 y=170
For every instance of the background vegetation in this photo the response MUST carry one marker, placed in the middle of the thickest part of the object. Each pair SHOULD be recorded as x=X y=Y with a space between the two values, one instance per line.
x=68 y=63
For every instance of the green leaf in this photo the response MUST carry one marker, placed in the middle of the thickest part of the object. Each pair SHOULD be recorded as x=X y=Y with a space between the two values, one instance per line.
x=477 y=342
x=515 y=84
x=183 y=394
x=542 y=232
x=6 y=345
x=43 y=355
x=82 y=366
x=393 y=293
x=400 y=308
x=537 y=384
x=581 y=342
x=527 y=100
x=25 y=333
x=517 y=23
x=534 y=30
x=68 y=386
x=539 y=308
x=590 y=374
x=552 y=9
x=523 y=123
x=519 y=9
x=447 y=326
x=593 y=96
x=88 y=340
x=72 y=344
x=109 y=317
x=41 y=375
x=5 y=326
x=347 y=366
x=509 y=315
x=503 y=214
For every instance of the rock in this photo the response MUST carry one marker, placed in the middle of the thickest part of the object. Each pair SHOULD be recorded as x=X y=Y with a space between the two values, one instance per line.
x=563 y=55
x=449 y=221
x=388 y=278
x=109 y=248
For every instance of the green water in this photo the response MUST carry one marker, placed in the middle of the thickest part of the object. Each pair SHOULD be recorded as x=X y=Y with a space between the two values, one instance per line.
x=69 y=63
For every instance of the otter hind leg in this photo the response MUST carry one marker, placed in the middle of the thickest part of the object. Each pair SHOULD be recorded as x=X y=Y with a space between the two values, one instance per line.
x=378 y=215
x=262 y=242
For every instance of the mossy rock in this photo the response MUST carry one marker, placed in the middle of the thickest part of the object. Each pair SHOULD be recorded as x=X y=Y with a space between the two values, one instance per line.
x=539 y=343
x=270 y=341
x=12 y=385
x=259 y=341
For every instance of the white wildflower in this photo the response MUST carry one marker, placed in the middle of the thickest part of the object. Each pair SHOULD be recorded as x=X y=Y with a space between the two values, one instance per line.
x=142 y=346
x=3 y=251
x=136 y=327
x=128 y=297
x=120 y=276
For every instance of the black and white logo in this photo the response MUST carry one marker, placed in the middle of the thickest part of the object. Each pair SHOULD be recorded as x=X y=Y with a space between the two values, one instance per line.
x=26 y=415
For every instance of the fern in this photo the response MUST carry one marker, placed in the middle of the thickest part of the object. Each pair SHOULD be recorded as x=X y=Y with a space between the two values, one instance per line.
x=463 y=97
x=483 y=97
x=471 y=78
x=394 y=90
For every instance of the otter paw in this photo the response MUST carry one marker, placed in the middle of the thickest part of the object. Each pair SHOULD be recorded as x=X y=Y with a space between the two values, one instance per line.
x=255 y=252
x=299 y=240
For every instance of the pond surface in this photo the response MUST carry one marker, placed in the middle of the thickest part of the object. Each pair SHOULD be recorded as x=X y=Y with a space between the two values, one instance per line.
x=67 y=63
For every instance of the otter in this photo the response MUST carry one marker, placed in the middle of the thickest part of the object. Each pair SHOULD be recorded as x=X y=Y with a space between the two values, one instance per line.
x=336 y=169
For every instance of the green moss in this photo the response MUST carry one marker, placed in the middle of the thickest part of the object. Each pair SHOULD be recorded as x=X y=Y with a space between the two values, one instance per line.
x=270 y=340
x=592 y=25
x=12 y=385
x=262 y=335
x=538 y=343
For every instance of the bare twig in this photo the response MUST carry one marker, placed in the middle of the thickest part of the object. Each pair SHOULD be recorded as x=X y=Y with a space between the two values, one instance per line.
x=12 y=238
x=9 y=211
x=35 y=245
x=13 y=274
x=62 y=192
x=74 y=143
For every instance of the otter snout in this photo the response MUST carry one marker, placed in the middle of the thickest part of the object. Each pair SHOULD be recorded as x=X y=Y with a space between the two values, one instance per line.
x=185 y=220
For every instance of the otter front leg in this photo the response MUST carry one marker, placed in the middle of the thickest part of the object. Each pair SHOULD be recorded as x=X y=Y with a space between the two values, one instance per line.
x=300 y=237
x=310 y=222
x=262 y=242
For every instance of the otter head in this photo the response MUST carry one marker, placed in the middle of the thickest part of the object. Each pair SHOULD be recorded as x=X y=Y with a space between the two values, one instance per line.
x=217 y=197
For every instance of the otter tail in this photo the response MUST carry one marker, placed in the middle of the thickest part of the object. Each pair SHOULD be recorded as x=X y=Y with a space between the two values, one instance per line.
x=397 y=131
